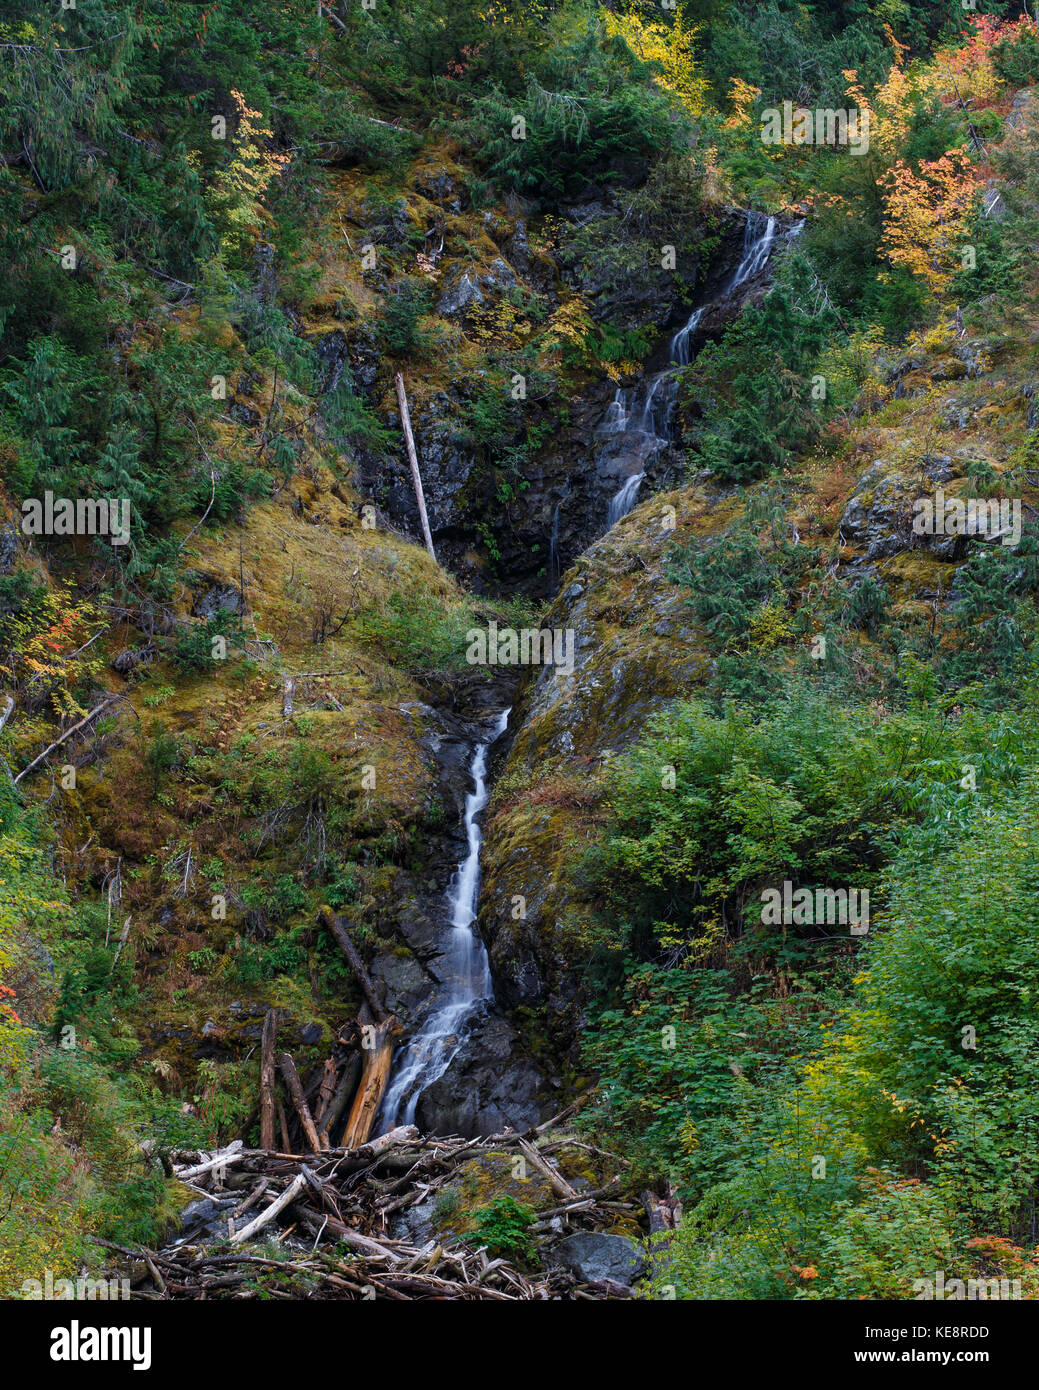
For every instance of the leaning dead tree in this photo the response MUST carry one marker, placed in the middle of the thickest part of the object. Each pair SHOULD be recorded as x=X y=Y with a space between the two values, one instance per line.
x=93 y=714
x=350 y=1082
x=416 y=476
x=378 y=1029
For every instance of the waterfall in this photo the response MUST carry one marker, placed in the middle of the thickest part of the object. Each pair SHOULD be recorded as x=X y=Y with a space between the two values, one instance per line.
x=463 y=967
x=623 y=500
x=757 y=247
x=642 y=427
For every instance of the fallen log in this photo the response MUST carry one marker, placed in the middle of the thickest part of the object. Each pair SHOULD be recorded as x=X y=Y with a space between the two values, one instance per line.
x=299 y=1100
x=251 y=1198
x=315 y=1221
x=218 y=1163
x=279 y=1204
x=403 y=1134
x=552 y=1175
x=571 y=1109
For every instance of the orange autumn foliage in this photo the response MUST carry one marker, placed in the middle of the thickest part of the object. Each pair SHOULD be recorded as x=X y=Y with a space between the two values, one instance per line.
x=926 y=214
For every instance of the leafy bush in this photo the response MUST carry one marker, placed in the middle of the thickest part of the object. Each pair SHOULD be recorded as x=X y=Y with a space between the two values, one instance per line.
x=161 y=755
x=687 y=1071
x=503 y=1226
x=707 y=809
x=730 y=580
x=909 y=1134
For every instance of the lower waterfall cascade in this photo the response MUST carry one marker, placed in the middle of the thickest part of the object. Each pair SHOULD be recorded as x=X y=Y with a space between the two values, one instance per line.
x=463 y=967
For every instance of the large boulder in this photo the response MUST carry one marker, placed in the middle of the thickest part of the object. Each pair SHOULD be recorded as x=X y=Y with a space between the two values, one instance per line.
x=403 y=984
x=877 y=520
x=636 y=648
x=490 y=1086
x=469 y=287
x=594 y=1257
x=218 y=596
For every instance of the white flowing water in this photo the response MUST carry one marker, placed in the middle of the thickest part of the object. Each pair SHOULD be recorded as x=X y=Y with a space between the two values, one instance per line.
x=622 y=501
x=639 y=426
x=553 y=545
x=463 y=968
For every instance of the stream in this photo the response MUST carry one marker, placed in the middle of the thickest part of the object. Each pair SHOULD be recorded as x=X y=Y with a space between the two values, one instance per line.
x=636 y=426
x=464 y=970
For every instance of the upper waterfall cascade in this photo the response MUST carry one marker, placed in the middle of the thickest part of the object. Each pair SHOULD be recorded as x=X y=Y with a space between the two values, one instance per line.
x=638 y=421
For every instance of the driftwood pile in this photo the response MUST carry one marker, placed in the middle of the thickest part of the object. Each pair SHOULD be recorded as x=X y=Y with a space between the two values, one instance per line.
x=328 y=1195
x=330 y=1212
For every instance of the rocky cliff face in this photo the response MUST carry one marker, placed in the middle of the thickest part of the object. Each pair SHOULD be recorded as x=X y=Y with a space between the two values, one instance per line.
x=507 y=527
x=636 y=648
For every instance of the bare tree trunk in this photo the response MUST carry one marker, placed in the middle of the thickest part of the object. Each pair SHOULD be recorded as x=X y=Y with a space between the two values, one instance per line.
x=122 y=942
x=283 y=1126
x=365 y=1108
x=270 y=1028
x=344 y=1094
x=299 y=1100
x=325 y=1092
x=416 y=476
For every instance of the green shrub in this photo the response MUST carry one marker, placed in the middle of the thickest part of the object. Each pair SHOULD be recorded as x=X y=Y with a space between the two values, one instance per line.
x=196 y=650
x=590 y=108
x=688 y=1069
x=161 y=754
x=868 y=604
x=910 y=1132
x=503 y=1226
x=415 y=635
x=399 y=329
x=1016 y=59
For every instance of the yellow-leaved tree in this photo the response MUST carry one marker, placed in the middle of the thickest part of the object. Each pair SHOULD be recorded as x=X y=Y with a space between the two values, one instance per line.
x=241 y=184
x=926 y=215
x=670 y=45
x=926 y=208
